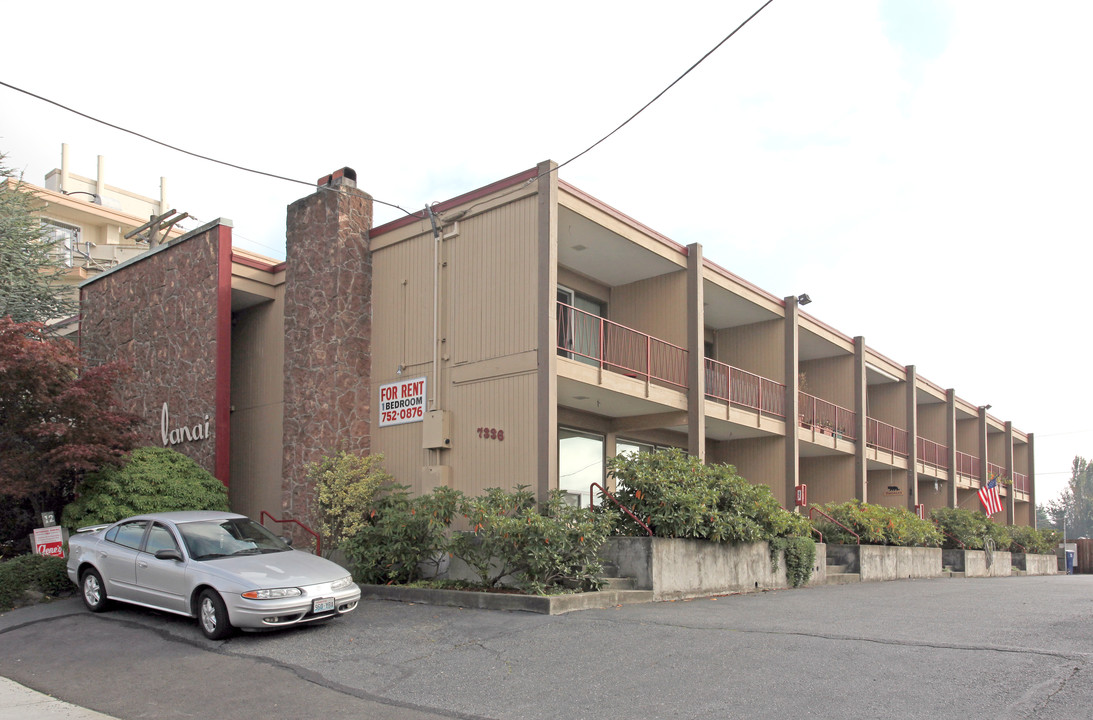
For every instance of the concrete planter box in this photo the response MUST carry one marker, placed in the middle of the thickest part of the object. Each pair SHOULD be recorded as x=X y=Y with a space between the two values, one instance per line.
x=675 y=568
x=973 y=563
x=887 y=562
x=1036 y=564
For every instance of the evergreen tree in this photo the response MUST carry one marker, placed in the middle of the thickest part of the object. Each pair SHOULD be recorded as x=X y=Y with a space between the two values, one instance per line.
x=1076 y=502
x=28 y=263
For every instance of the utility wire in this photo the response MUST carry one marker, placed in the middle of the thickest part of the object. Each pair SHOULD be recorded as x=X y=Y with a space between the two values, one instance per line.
x=627 y=121
x=419 y=215
x=182 y=150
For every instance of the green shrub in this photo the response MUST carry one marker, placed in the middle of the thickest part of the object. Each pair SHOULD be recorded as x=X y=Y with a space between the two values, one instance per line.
x=43 y=573
x=676 y=495
x=152 y=480
x=970 y=527
x=876 y=525
x=539 y=548
x=400 y=533
x=1027 y=539
x=345 y=486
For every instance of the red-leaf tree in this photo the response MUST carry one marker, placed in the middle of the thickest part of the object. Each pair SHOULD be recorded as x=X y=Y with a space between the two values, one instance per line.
x=58 y=421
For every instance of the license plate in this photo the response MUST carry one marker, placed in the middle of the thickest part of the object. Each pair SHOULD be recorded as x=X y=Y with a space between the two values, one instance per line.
x=323 y=605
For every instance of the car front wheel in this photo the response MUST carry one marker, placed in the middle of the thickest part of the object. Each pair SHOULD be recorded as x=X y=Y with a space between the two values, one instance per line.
x=212 y=616
x=92 y=591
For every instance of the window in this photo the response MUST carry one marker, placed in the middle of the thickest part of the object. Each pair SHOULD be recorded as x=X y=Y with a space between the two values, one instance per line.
x=129 y=535
x=578 y=326
x=580 y=462
x=160 y=538
x=64 y=238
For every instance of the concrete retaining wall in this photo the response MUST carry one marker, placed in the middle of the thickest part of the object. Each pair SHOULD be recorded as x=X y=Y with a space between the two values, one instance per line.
x=973 y=563
x=1036 y=564
x=886 y=562
x=675 y=568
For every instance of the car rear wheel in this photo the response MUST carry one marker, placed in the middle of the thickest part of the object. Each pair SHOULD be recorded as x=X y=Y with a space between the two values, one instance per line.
x=212 y=616
x=92 y=590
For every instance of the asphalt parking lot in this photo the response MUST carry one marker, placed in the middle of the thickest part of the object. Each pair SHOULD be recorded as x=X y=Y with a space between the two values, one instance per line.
x=969 y=648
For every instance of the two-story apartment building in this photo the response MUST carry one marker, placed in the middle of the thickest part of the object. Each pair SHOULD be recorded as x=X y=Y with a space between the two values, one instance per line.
x=523 y=333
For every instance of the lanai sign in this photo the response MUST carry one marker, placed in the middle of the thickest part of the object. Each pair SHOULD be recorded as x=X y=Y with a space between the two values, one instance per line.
x=180 y=434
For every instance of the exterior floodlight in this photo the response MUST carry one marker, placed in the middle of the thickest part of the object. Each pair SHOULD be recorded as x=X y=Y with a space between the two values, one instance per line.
x=804 y=299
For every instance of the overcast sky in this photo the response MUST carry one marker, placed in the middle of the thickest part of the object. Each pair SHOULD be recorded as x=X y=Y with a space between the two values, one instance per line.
x=923 y=169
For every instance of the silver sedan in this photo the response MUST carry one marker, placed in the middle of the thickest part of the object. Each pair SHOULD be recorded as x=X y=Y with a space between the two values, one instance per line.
x=223 y=569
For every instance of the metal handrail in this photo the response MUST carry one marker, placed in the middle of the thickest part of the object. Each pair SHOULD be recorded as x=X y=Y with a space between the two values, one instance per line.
x=818 y=533
x=305 y=528
x=603 y=491
x=954 y=537
x=844 y=527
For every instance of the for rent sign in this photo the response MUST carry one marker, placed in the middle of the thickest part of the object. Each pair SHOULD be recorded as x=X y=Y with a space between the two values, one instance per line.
x=402 y=402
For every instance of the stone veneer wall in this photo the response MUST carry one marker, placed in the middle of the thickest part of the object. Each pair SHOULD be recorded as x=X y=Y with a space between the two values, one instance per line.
x=328 y=333
x=161 y=313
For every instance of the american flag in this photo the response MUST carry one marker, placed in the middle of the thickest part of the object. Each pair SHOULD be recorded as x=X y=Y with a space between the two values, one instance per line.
x=992 y=503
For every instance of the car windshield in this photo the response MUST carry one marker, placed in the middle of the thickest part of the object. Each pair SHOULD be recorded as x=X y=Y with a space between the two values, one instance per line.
x=210 y=539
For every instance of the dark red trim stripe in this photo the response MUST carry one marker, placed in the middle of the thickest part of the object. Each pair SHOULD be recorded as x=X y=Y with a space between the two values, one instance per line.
x=459 y=200
x=222 y=450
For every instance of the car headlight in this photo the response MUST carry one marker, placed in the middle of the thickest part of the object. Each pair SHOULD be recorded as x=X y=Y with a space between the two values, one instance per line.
x=343 y=583
x=273 y=593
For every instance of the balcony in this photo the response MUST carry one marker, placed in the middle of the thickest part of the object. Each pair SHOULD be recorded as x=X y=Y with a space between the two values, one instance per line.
x=597 y=341
x=1021 y=483
x=967 y=465
x=932 y=454
x=744 y=389
x=827 y=417
x=883 y=436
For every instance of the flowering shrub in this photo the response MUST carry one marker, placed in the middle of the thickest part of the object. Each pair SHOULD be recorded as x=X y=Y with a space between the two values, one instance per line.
x=1024 y=538
x=877 y=525
x=539 y=548
x=400 y=535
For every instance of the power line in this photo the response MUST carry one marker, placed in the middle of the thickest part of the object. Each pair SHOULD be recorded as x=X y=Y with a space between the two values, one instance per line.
x=182 y=150
x=644 y=107
x=419 y=215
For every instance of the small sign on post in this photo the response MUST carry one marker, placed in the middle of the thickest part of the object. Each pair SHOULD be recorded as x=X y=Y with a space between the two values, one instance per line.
x=920 y=510
x=48 y=519
x=49 y=541
x=802 y=496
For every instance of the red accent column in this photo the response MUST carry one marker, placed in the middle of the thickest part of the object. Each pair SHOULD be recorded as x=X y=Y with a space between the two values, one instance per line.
x=222 y=458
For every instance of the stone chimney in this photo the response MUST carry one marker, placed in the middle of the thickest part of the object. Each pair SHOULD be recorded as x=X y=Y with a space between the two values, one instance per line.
x=328 y=330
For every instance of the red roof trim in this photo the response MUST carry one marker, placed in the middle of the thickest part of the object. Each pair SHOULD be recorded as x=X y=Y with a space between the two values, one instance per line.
x=481 y=192
x=258 y=264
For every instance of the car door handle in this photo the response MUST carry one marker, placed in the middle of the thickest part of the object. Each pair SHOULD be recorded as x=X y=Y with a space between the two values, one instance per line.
x=142 y=564
x=103 y=554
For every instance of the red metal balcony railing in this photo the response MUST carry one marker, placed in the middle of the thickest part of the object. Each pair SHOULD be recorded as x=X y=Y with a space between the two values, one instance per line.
x=967 y=465
x=886 y=437
x=933 y=454
x=744 y=389
x=618 y=348
x=995 y=472
x=1020 y=482
x=827 y=417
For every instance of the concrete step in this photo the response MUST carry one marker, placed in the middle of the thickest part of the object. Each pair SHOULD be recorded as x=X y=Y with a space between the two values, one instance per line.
x=630 y=597
x=842 y=578
x=833 y=568
x=951 y=573
x=618 y=583
x=610 y=570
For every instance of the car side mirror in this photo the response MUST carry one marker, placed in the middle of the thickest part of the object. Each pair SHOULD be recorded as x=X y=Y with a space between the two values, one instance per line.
x=287 y=540
x=169 y=554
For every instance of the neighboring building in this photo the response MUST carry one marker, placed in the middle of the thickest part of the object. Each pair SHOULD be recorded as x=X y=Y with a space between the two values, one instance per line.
x=529 y=335
x=89 y=220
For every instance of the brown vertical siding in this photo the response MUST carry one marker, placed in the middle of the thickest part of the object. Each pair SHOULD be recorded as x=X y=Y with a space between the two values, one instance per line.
x=759 y=460
x=831 y=379
x=757 y=348
x=932 y=422
x=829 y=478
x=656 y=306
x=257 y=399
x=888 y=403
